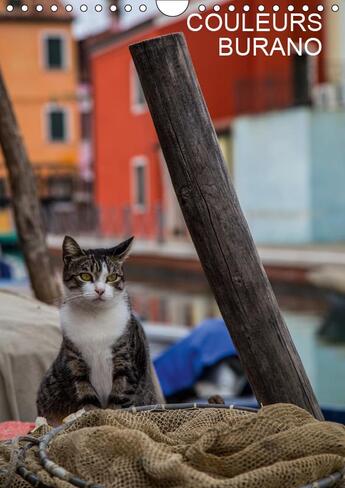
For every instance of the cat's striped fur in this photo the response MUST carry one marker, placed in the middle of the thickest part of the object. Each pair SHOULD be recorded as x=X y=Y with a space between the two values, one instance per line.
x=104 y=360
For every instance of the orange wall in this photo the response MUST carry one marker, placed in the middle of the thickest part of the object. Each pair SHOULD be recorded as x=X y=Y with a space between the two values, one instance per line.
x=31 y=87
x=121 y=135
x=126 y=134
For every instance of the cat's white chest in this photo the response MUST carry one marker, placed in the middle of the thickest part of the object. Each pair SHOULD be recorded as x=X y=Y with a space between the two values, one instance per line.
x=99 y=359
x=94 y=334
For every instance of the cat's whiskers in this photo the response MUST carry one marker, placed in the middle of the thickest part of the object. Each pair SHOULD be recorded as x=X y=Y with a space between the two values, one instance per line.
x=75 y=297
x=65 y=299
x=56 y=300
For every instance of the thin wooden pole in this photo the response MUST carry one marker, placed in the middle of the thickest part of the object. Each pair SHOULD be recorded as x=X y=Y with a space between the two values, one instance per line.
x=25 y=203
x=216 y=223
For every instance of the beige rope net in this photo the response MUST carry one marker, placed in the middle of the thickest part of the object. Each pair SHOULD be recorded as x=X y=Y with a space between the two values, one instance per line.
x=280 y=446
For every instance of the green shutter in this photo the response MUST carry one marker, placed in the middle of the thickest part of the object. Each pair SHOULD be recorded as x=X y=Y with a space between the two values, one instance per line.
x=54 y=46
x=57 y=125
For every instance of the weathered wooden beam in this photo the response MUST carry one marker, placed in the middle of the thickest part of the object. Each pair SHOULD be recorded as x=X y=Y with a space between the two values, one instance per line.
x=25 y=203
x=218 y=228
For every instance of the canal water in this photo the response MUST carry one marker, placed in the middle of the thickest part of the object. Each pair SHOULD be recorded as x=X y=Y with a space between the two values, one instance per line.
x=324 y=362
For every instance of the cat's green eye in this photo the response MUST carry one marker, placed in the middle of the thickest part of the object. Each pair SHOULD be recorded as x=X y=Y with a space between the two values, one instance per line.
x=85 y=276
x=113 y=278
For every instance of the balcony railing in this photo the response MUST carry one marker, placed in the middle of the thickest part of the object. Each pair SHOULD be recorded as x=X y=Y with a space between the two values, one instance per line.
x=269 y=93
x=117 y=222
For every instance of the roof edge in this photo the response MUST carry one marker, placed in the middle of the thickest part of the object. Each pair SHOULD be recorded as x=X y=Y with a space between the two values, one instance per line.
x=109 y=38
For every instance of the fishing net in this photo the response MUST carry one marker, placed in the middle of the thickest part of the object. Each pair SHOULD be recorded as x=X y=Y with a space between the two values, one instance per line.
x=280 y=446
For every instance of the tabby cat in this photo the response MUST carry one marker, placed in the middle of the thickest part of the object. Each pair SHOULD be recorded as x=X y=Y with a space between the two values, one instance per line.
x=104 y=360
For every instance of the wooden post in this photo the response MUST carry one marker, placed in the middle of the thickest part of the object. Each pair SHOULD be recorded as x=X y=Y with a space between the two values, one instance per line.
x=218 y=228
x=25 y=203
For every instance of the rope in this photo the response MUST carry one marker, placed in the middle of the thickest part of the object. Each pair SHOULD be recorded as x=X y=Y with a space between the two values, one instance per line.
x=16 y=458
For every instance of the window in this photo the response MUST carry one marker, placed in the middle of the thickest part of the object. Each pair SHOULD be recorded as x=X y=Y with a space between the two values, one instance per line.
x=140 y=183
x=57 y=124
x=301 y=86
x=54 y=51
x=3 y=193
x=138 y=97
x=305 y=77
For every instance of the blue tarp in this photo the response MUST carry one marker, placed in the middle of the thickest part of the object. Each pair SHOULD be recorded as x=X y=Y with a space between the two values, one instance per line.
x=179 y=367
x=5 y=270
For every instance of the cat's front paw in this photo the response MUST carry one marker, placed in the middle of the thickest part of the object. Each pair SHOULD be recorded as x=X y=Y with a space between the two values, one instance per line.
x=88 y=407
x=216 y=400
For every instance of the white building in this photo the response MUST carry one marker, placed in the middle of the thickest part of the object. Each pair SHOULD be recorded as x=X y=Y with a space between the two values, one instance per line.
x=289 y=173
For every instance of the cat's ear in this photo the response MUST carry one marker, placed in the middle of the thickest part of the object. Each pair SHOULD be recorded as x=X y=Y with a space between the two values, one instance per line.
x=70 y=249
x=121 y=251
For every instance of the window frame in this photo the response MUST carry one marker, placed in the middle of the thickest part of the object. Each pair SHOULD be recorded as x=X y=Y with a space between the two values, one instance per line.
x=140 y=162
x=64 y=50
x=137 y=107
x=48 y=108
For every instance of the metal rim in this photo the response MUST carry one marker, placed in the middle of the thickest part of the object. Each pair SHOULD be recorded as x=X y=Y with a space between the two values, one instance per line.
x=160 y=407
x=326 y=482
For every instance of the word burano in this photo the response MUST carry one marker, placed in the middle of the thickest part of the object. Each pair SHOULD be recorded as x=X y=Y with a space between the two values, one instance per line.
x=252 y=44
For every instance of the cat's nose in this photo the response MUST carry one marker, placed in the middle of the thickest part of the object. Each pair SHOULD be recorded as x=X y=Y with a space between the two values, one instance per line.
x=99 y=291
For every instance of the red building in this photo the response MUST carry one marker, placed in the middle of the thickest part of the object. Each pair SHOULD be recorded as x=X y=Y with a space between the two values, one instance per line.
x=132 y=189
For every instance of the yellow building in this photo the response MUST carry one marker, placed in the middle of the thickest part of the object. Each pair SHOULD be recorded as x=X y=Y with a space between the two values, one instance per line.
x=38 y=61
